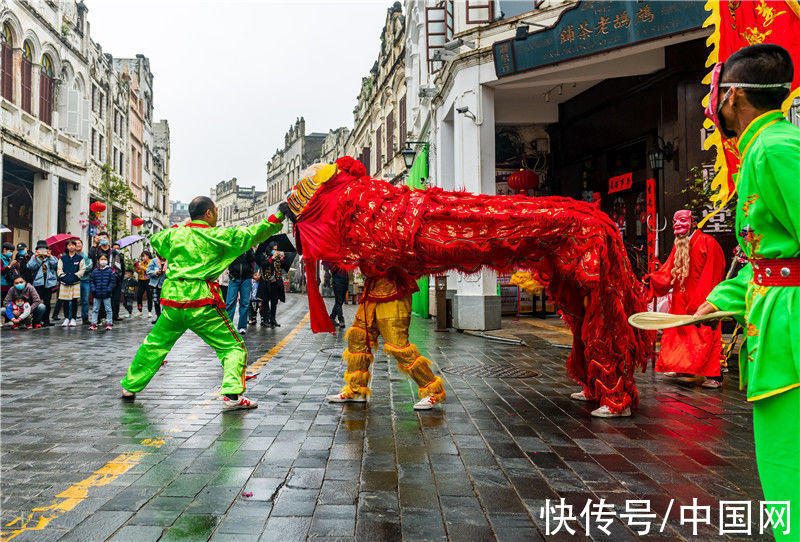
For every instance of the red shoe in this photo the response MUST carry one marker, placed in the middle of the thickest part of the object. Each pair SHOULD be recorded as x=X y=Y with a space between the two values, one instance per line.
x=14 y=326
x=29 y=326
x=37 y=326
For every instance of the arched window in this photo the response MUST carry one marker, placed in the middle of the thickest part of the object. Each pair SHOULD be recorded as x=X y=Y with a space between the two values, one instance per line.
x=7 y=58
x=27 y=76
x=46 y=91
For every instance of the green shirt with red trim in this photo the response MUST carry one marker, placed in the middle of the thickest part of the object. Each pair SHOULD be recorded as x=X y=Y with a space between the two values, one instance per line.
x=197 y=254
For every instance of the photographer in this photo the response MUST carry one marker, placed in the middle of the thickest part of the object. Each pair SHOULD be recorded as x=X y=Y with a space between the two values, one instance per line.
x=43 y=267
x=270 y=289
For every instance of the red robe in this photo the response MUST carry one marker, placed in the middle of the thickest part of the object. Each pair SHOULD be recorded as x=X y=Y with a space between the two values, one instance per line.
x=691 y=349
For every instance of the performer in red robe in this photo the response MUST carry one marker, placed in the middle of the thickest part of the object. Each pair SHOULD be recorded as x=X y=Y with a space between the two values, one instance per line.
x=695 y=265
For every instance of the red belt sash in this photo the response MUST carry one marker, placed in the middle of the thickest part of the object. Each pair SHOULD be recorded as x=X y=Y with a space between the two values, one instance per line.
x=776 y=272
x=215 y=299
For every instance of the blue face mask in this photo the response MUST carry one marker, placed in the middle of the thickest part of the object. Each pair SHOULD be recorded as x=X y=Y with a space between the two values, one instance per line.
x=22 y=252
x=20 y=286
x=104 y=242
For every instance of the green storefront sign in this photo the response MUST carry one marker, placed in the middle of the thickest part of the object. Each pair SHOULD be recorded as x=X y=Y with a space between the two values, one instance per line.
x=419 y=171
x=593 y=27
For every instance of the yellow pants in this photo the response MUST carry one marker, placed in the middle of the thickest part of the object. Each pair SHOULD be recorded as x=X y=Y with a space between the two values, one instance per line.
x=390 y=320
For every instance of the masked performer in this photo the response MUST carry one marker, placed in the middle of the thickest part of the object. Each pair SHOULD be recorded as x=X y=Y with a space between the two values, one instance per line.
x=745 y=102
x=395 y=234
x=198 y=253
x=695 y=265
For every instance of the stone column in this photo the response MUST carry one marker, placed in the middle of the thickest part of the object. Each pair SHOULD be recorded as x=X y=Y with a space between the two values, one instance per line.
x=476 y=305
x=77 y=202
x=45 y=206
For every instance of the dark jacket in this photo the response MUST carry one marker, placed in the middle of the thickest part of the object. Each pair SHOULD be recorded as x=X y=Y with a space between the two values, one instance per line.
x=340 y=279
x=244 y=266
x=28 y=293
x=23 y=266
x=102 y=282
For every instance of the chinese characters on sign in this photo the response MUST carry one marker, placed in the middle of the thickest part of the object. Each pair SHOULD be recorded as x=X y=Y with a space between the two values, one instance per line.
x=620 y=182
x=592 y=27
x=730 y=517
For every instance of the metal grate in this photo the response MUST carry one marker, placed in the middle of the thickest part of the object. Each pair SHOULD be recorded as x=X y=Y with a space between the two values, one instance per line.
x=490 y=371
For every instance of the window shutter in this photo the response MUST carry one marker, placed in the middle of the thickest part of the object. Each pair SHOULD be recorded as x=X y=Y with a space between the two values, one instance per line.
x=8 y=72
x=73 y=119
x=27 y=87
x=390 y=136
x=46 y=99
x=402 y=123
x=435 y=34
x=84 y=116
x=378 y=149
x=480 y=12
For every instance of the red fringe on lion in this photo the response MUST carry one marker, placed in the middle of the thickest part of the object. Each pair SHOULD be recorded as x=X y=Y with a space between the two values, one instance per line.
x=395 y=234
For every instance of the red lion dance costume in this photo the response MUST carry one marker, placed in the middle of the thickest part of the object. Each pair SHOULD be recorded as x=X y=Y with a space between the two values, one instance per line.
x=395 y=234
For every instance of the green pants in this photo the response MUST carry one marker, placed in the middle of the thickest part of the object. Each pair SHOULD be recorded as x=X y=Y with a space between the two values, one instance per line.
x=776 y=425
x=211 y=324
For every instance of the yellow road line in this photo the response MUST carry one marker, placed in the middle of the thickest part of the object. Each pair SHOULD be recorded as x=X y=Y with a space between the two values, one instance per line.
x=68 y=499
x=253 y=368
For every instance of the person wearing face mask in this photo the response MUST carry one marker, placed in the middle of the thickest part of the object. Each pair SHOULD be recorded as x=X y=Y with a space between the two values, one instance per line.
x=271 y=290
x=116 y=260
x=85 y=289
x=101 y=283
x=71 y=268
x=198 y=252
x=695 y=265
x=746 y=96
x=22 y=258
x=21 y=303
x=6 y=271
x=43 y=266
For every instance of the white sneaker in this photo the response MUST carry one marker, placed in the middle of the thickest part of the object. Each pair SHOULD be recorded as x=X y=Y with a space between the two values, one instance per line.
x=65 y=323
x=242 y=331
x=241 y=404
x=73 y=323
x=579 y=396
x=605 y=412
x=342 y=398
x=670 y=374
x=425 y=404
x=711 y=384
x=126 y=393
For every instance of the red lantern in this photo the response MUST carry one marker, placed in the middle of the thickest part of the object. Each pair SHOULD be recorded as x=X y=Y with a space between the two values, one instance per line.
x=523 y=180
x=97 y=207
x=137 y=222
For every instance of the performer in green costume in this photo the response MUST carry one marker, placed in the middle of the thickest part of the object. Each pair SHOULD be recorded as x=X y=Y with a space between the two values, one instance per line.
x=197 y=253
x=766 y=292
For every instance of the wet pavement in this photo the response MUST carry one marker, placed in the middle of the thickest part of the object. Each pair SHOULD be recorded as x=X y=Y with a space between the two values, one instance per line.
x=79 y=463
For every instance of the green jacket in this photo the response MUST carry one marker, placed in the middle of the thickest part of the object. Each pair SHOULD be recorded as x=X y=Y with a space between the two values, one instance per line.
x=768 y=222
x=197 y=254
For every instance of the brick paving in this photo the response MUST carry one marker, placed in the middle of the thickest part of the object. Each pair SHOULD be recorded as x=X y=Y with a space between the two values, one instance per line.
x=85 y=465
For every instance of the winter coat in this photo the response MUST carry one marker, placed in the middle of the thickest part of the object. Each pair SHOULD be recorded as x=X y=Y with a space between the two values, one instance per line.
x=6 y=261
x=116 y=260
x=44 y=271
x=28 y=293
x=26 y=311
x=71 y=268
x=89 y=266
x=102 y=282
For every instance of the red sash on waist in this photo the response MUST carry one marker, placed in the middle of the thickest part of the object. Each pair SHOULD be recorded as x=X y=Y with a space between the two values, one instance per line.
x=215 y=299
x=776 y=272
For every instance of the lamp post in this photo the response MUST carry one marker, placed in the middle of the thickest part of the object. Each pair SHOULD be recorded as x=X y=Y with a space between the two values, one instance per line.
x=409 y=154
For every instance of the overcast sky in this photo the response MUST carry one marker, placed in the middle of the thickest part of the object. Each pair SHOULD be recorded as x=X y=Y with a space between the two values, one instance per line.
x=232 y=76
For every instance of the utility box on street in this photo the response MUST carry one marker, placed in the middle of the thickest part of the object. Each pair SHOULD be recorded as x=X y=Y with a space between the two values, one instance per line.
x=443 y=311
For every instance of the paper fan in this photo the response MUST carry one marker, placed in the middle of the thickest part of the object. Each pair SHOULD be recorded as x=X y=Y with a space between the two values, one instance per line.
x=661 y=320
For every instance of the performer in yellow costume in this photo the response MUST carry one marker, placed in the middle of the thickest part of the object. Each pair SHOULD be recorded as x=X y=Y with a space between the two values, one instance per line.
x=385 y=310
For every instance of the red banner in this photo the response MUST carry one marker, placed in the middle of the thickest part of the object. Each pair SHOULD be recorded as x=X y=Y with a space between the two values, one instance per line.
x=652 y=224
x=738 y=24
x=620 y=182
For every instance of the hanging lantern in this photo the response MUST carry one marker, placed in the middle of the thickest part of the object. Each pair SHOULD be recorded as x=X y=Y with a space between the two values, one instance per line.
x=137 y=222
x=97 y=207
x=523 y=180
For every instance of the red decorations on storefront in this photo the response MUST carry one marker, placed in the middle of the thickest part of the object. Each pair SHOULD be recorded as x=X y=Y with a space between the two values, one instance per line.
x=523 y=180
x=620 y=182
x=137 y=222
x=97 y=207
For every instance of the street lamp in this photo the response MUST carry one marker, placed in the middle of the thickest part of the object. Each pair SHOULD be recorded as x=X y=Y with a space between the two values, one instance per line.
x=656 y=158
x=410 y=154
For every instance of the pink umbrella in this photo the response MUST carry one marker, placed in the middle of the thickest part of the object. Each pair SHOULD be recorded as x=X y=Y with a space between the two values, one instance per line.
x=57 y=243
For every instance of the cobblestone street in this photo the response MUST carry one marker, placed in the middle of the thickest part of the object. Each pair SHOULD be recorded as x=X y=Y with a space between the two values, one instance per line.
x=79 y=463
